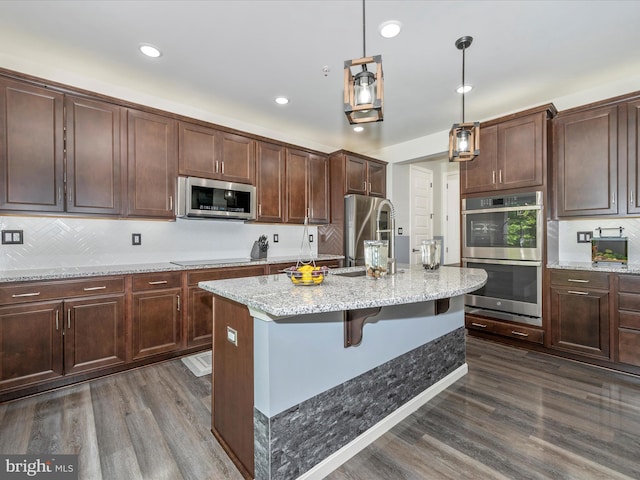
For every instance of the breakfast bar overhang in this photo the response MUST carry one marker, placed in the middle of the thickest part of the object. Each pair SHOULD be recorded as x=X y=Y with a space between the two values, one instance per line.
x=306 y=376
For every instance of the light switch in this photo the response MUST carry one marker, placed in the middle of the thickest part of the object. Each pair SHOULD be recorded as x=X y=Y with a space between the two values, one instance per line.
x=12 y=237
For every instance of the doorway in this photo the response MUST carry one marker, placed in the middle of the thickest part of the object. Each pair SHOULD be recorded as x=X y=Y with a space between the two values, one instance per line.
x=421 y=208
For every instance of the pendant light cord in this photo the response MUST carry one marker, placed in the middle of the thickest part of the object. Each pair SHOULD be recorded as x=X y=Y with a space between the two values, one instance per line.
x=364 y=39
x=463 y=49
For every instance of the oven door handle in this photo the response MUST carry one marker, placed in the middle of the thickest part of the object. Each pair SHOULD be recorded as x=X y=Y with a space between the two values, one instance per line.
x=505 y=209
x=525 y=263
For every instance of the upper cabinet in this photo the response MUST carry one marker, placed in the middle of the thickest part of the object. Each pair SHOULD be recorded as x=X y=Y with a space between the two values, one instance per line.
x=596 y=159
x=364 y=176
x=210 y=153
x=307 y=187
x=513 y=153
x=31 y=148
x=270 y=166
x=152 y=152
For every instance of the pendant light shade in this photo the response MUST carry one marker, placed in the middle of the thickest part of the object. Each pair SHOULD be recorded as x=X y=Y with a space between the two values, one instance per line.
x=363 y=90
x=464 y=138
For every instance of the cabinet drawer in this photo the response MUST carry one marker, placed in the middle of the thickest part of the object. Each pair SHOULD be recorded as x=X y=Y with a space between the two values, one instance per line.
x=629 y=320
x=194 y=277
x=578 y=278
x=36 y=291
x=629 y=301
x=512 y=330
x=629 y=347
x=151 y=281
x=629 y=283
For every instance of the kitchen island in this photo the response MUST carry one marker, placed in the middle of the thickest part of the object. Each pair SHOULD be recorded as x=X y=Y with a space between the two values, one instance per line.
x=306 y=376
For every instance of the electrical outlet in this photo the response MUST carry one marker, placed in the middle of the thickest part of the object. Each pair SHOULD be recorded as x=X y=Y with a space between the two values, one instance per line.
x=12 y=237
x=585 y=237
x=136 y=239
x=275 y=238
x=399 y=230
x=311 y=238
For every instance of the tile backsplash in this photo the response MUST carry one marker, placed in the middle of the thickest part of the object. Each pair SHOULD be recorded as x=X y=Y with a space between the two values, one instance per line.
x=571 y=251
x=70 y=242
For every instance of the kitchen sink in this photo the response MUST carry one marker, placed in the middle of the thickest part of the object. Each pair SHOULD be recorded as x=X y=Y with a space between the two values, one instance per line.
x=357 y=273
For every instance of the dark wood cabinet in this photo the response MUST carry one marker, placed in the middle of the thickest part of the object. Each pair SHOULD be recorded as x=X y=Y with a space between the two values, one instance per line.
x=31 y=339
x=364 y=176
x=270 y=188
x=586 y=162
x=210 y=153
x=513 y=153
x=156 y=314
x=580 y=312
x=31 y=148
x=633 y=156
x=152 y=155
x=307 y=187
x=93 y=156
x=628 y=321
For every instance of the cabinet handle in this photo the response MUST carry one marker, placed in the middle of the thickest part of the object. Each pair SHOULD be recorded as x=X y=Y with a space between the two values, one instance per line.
x=577 y=280
x=57 y=319
x=69 y=319
x=60 y=195
x=260 y=209
x=217 y=169
x=90 y=289
x=577 y=293
x=170 y=202
x=513 y=332
x=493 y=176
x=364 y=186
x=481 y=325
x=500 y=176
x=18 y=295
x=159 y=282
x=613 y=198
x=178 y=302
x=222 y=167
x=631 y=198
x=308 y=212
x=369 y=187
x=69 y=194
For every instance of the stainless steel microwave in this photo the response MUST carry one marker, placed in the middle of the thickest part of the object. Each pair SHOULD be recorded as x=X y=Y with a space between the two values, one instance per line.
x=206 y=198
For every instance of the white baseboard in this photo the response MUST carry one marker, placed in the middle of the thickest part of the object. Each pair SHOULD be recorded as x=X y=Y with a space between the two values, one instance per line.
x=333 y=461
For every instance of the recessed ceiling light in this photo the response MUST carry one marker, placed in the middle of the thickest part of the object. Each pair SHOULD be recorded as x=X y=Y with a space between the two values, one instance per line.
x=358 y=129
x=465 y=89
x=390 y=29
x=282 y=100
x=150 y=50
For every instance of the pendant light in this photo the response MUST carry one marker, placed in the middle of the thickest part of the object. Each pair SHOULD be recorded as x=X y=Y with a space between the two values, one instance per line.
x=363 y=92
x=464 y=138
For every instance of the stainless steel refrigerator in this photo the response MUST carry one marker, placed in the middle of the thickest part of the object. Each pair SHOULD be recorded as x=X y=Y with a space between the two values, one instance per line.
x=360 y=224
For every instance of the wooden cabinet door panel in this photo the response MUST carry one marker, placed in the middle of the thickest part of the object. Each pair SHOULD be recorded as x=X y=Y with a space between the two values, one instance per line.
x=629 y=346
x=31 y=148
x=93 y=157
x=30 y=343
x=586 y=151
x=356 y=175
x=580 y=321
x=199 y=149
x=297 y=182
x=377 y=179
x=318 y=194
x=94 y=333
x=633 y=156
x=270 y=166
x=152 y=158
x=520 y=152
x=238 y=159
x=157 y=326
x=199 y=317
x=480 y=174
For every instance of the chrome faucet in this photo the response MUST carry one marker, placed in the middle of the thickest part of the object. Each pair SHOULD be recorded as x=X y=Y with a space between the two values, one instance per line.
x=391 y=268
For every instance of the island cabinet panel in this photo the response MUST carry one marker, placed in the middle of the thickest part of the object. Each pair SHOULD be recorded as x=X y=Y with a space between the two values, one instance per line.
x=307 y=187
x=200 y=302
x=152 y=156
x=586 y=161
x=30 y=344
x=157 y=318
x=270 y=188
x=580 y=317
x=93 y=157
x=210 y=153
x=513 y=153
x=31 y=148
x=232 y=395
x=629 y=319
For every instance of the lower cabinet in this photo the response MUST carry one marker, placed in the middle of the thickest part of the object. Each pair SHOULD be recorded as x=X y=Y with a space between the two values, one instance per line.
x=505 y=329
x=629 y=319
x=156 y=319
x=580 y=317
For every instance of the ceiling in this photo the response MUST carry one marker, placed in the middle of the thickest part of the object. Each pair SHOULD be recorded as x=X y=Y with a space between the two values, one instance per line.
x=230 y=59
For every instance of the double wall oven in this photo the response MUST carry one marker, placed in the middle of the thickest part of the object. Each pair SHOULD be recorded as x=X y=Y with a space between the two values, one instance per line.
x=504 y=235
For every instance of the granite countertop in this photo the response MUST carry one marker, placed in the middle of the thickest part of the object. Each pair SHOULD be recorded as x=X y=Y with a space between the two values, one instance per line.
x=633 y=268
x=61 y=273
x=275 y=295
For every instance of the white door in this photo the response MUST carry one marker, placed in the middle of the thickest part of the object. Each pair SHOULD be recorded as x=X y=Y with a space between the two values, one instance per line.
x=421 y=195
x=451 y=216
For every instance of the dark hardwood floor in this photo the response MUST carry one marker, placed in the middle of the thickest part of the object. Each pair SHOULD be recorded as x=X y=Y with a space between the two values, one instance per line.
x=516 y=415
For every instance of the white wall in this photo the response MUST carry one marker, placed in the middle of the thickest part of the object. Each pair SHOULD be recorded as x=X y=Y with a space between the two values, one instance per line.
x=71 y=242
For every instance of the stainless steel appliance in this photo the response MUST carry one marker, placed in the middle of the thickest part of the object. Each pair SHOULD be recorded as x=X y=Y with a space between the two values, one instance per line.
x=504 y=235
x=206 y=198
x=360 y=224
